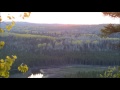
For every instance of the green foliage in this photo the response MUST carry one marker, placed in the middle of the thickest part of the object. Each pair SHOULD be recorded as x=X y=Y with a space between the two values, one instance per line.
x=95 y=42
x=5 y=65
x=1 y=30
x=84 y=74
x=23 y=68
x=110 y=29
x=2 y=43
x=111 y=73
x=63 y=48
x=87 y=41
x=61 y=51
x=41 y=45
x=77 y=42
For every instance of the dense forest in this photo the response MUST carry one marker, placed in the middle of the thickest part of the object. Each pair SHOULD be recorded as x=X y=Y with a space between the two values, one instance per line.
x=60 y=44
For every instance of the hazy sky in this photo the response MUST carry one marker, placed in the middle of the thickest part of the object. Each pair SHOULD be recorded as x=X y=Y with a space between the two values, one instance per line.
x=65 y=17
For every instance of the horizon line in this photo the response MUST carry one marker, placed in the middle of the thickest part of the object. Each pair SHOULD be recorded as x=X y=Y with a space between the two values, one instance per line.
x=62 y=23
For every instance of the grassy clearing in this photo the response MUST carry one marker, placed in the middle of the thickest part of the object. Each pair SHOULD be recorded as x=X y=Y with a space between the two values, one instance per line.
x=75 y=71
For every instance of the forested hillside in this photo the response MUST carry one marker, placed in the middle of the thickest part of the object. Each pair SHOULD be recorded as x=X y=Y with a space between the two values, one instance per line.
x=59 y=44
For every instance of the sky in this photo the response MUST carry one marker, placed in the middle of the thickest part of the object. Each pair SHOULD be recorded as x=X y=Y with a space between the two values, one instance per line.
x=64 y=17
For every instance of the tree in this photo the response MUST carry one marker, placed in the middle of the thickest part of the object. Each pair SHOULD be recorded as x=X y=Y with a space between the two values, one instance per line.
x=111 y=28
x=5 y=64
x=107 y=30
x=111 y=73
x=112 y=14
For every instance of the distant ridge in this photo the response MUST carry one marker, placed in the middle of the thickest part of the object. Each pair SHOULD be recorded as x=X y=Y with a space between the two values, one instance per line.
x=85 y=29
x=18 y=22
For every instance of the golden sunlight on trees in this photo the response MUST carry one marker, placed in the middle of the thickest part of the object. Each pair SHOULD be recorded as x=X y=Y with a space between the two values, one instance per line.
x=5 y=64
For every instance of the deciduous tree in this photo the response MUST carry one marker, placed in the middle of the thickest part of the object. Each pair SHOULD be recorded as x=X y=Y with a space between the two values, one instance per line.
x=5 y=64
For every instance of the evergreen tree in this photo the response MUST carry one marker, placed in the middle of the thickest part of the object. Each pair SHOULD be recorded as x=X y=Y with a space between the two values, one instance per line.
x=111 y=28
